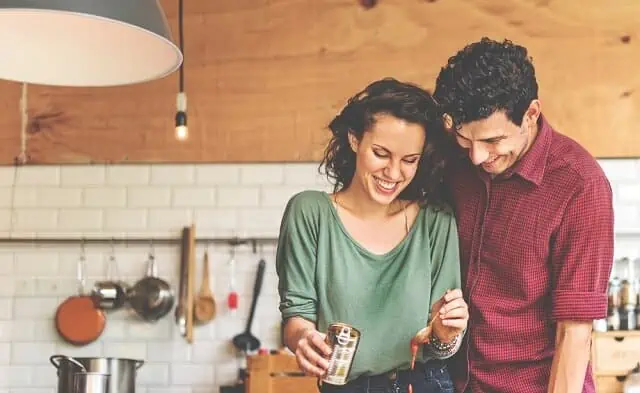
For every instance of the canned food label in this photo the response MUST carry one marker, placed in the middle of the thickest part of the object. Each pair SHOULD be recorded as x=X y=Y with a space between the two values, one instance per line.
x=344 y=344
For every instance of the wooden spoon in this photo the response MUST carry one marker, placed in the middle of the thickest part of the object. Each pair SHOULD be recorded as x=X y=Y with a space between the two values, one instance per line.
x=205 y=305
x=422 y=337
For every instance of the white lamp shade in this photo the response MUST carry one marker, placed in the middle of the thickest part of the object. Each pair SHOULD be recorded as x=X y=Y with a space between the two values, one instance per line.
x=88 y=43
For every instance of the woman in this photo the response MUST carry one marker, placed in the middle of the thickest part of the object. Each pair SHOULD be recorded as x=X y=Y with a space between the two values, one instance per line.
x=381 y=252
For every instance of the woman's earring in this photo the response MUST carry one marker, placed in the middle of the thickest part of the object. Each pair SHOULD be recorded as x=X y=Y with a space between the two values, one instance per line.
x=448 y=121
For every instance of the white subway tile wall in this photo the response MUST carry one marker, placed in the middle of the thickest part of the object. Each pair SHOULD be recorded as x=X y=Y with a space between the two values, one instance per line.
x=137 y=200
x=158 y=200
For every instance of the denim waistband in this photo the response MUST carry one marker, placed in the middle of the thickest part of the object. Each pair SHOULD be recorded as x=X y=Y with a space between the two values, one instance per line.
x=388 y=378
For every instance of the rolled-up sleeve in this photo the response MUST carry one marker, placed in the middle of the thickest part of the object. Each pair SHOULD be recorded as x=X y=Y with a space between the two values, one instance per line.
x=296 y=260
x=582 y=253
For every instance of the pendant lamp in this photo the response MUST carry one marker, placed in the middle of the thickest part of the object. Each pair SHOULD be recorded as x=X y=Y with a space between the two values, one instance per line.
x=88 y=43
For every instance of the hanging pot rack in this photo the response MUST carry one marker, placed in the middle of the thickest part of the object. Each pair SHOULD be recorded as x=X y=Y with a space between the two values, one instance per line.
x=231 y=240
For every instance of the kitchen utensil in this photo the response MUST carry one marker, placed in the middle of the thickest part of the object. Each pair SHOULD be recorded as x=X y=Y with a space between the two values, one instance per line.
x=232 y=298
x=110 y=294
x=205 y=304
x=122 y=372
x=84 y=382
x=78 y=321
x=246 y=341
x=191 y=261
x=181 y=309
x=151 y=297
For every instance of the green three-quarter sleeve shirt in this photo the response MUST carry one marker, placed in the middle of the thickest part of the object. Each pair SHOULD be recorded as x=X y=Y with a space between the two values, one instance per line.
x=325 y=276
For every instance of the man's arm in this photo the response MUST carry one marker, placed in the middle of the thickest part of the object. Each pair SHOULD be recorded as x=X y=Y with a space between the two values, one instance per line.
x=581 y=260
x=571 y=359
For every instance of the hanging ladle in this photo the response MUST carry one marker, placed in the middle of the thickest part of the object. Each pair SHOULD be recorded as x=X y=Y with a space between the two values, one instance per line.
x=246 y=341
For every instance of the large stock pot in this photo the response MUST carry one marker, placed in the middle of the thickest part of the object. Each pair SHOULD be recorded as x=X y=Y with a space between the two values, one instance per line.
x=122 y=372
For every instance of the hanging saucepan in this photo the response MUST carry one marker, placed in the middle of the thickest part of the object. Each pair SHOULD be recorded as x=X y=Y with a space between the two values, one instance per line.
x=78 y=321
x=151 y=297
x=111 y=293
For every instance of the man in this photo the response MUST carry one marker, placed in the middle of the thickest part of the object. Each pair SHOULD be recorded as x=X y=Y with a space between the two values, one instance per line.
x=535 y=219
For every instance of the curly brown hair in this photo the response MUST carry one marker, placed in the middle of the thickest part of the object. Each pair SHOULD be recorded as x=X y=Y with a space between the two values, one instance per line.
x=404 y=101
x=485 y=77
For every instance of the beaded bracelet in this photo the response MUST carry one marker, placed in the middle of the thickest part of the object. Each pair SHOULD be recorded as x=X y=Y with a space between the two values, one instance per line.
x=441 y=347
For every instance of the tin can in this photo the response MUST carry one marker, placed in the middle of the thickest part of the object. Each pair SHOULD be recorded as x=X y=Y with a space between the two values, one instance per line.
x=343 y=340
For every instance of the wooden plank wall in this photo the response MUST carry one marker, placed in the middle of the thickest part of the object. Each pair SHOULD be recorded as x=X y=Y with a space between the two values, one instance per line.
x=264 y=77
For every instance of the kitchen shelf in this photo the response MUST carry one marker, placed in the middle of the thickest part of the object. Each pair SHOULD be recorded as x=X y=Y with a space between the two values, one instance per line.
x=618 y=333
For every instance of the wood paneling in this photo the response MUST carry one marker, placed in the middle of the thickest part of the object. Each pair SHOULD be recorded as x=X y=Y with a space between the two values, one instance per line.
x=264 y=77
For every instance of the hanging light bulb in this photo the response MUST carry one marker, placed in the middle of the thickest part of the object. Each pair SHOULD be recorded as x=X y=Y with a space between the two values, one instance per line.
x=182 y=132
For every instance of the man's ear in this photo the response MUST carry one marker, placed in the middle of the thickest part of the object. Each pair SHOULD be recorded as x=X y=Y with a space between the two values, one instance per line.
x=533 y=111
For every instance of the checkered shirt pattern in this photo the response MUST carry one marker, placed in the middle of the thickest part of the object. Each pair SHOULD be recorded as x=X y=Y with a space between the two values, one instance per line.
x=536 y=248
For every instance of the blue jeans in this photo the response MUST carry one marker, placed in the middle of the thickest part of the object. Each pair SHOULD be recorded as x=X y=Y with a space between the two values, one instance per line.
x=430 y=377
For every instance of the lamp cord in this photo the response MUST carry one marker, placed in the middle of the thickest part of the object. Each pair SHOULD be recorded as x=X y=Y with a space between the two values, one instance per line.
x=181 y=39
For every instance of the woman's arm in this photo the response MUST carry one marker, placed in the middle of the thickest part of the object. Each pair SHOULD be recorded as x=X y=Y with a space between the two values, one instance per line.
x=449 y=313
x=295 y=266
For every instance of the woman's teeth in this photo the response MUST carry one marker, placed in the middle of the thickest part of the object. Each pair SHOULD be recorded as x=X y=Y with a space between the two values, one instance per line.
x=385 y=184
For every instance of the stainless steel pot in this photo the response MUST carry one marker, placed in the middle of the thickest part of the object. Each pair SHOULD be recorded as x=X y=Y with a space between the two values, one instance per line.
x=84 y=382
x=122 y=372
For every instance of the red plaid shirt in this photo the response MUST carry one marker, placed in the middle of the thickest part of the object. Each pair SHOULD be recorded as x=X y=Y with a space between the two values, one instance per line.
x=536 y=248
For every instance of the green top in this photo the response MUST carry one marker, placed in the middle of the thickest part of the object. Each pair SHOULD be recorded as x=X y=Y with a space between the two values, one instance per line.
x=325 y=276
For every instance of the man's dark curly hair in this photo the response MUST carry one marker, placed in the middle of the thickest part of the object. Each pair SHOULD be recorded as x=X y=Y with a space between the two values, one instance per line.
x=404 y=101
x=485 y=77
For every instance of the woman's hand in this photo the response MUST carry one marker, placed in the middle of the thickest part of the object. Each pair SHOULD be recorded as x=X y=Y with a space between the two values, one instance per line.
x=450 y=315
x=312 y=352
x=302 y=338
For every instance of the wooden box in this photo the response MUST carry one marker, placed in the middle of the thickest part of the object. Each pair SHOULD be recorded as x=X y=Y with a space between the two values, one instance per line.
x=614 y=355
x=609 y=384
x=278 y=373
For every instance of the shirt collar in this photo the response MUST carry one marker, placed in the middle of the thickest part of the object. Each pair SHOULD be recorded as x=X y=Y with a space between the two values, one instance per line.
x=532 y=165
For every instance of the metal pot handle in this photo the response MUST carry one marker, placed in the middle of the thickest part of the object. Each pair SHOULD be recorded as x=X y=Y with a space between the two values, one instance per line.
x=139 y=363
x=53 y=358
